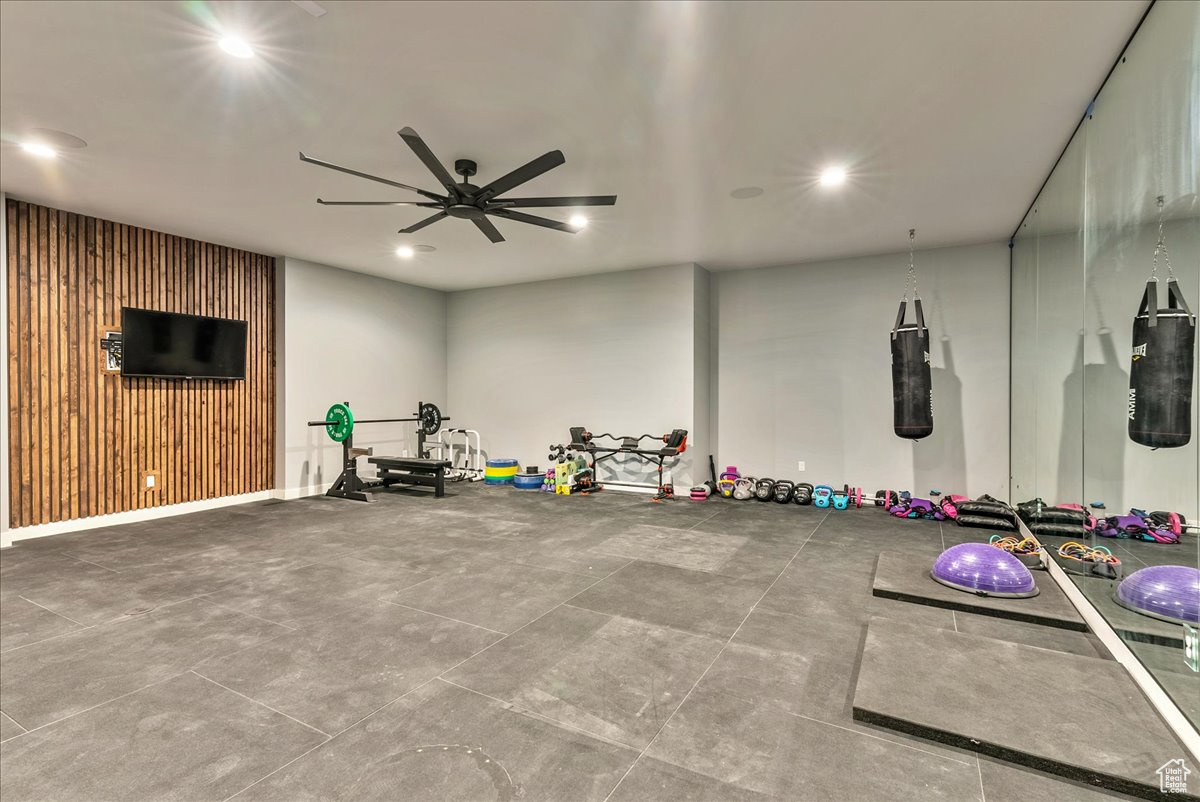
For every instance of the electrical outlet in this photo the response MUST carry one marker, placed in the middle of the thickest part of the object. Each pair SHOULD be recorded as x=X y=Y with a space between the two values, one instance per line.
x=149 y=480
x=800 y=465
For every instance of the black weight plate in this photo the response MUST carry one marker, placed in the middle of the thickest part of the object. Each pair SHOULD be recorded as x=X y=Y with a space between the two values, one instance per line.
x=431 y=419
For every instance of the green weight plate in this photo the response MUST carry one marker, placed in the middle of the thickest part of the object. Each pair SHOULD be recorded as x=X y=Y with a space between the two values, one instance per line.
x=430 y=419
x=342 y=420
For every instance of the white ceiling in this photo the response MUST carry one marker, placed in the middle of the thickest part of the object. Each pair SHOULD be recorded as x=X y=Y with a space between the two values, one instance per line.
x=947 y=114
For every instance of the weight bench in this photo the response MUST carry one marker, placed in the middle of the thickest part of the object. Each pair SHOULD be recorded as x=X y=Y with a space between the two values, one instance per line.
x=412 y=471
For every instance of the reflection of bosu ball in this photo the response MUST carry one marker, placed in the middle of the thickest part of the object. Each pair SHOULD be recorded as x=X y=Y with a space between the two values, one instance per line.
x=983 y=570
x=1169 y=592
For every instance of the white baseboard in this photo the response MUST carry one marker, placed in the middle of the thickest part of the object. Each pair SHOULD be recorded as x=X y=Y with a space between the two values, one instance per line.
x=11 y=536
x=292 y=493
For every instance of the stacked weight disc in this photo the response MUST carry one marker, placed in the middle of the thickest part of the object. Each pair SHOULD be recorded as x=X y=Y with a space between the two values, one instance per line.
x=500 y=471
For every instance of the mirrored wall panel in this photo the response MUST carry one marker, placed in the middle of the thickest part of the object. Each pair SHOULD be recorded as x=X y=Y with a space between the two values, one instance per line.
x=1106 y=283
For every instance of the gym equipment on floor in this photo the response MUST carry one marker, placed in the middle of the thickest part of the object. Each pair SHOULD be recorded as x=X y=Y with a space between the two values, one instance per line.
x=700 y=493
x=1028 y=550
x=840 y=499
x=764 y=489
x=728 y=481
x=470 y=469
x=1169 y=592
x=500 y=471
x=743 y=488
x=983 y=570
x=912 y=383
x=1045 y=519
x=822 y=495
x=1077 y=558
x=528 y=481
x=803 y=494
x=987 y=512
x=675 y=443
x=339 y=424
x=784 y=490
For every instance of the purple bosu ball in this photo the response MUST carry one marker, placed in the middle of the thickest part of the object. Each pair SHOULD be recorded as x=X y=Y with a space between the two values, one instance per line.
x=984 y=570
x=1169 y=592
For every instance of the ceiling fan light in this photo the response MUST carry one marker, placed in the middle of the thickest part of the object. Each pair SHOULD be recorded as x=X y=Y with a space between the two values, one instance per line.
x=405 y=252
x=833 y=176
x=578 y=221
x=39 y=150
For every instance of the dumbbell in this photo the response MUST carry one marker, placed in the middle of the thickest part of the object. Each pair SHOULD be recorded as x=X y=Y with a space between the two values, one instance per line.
x=784 y=491
x=803 y=494
x=764 y=490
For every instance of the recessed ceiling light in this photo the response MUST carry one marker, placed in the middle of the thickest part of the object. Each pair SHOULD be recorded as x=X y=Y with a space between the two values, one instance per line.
x=405 y=251
x=236 y=47
x=744 y=193
x=39 y=150
x=833 y=176
x=578 y=221
x=424 y=248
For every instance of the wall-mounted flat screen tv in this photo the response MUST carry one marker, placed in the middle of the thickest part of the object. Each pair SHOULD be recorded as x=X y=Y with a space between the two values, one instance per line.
x=171 y=345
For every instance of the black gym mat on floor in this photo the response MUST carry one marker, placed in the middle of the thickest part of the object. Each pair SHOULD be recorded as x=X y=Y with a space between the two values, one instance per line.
x=1014 y=702
x=906 y=577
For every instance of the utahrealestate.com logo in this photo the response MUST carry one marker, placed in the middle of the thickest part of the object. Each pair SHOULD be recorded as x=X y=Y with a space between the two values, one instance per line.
x=1172 y=777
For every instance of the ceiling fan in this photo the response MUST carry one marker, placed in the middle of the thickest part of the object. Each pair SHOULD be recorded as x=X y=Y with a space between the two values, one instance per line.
x=467 y=201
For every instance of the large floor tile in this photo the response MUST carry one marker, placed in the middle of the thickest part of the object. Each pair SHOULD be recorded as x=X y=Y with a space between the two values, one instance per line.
x=56 y=678
x=336 y=671
x=653 y=779
x=183 y=739
x=442 y=742
x=9 y=728
x=614 y=677
x=22 y=622
x=700 y=551
x=703 y=603
x=801 y=665
x=766 y=750
x=1061 y=640
x=295 y=597
x=491 y=593
x=1004 y=782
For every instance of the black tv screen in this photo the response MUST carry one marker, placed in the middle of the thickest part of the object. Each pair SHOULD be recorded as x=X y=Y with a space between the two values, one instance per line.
x=181 y=346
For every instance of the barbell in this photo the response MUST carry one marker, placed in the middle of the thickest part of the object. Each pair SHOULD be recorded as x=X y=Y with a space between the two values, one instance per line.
x=339 y=421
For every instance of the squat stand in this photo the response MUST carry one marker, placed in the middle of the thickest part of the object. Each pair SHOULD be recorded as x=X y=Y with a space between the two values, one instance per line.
x=349 y=484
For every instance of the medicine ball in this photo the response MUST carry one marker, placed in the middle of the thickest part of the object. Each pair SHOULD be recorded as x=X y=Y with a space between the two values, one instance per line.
x=784 y=490
x=765 y=489
x=803 y=493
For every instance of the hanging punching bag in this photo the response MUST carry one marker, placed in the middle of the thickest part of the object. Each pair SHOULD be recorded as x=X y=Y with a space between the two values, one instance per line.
x=912 y=384
x=1160 y=376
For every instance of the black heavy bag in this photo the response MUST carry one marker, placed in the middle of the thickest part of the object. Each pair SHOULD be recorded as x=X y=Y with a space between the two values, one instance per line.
x=912 y=384
x=1160 y=377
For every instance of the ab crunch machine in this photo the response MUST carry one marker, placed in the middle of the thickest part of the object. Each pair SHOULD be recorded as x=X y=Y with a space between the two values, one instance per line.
x=339 y=424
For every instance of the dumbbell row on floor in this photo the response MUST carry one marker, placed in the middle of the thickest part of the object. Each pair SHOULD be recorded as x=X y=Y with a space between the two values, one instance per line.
x=785 y=491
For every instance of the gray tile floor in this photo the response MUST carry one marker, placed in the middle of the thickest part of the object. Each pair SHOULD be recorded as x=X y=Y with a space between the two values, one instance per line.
x=494 y=644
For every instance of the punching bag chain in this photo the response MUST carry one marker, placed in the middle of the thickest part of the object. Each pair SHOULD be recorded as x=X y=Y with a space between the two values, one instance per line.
x=1161 y=246
x=911 y=278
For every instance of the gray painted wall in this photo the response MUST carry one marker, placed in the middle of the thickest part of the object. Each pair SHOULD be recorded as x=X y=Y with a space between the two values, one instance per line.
x=804 y=371
x=612 y=352
x=344 y=336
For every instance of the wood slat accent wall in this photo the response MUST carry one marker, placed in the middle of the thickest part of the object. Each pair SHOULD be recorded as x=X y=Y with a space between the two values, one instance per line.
x=81 y=439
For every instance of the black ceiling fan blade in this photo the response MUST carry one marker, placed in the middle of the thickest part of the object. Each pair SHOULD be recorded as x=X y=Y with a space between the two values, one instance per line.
x=368 y=176
x=526 y=172
x=324 y=202
x=576 y=200
x=421 y=224
x=414 y=141
x=489 y=229
x=544 y=222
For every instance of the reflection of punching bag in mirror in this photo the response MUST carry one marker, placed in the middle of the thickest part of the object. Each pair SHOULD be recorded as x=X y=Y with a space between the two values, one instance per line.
x=912 y=384
x=1160 y=377
x=1103 y=384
